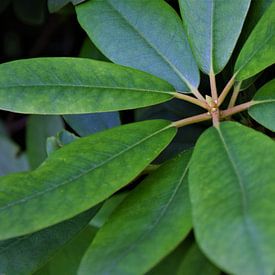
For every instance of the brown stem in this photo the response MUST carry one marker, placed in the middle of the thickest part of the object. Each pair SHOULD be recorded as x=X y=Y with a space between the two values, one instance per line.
x=226 y=90
x=191 y=99
x=216 y=118
x=235 y=94
x=237 y=109
x=192 y=120
x=213 y=86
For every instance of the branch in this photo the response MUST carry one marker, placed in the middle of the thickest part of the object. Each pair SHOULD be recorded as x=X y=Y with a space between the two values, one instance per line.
x=213 y=86
x=191 y=99
x=237 y=109
x=235 y=94
x=192 y=120
x=226 y=90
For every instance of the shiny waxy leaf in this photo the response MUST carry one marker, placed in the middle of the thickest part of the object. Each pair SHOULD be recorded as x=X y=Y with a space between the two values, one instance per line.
x=213 y=27
x=232 y=194
x=75 y=86
x=264 y=111
x=80 y=175
x=258 y=51
x=39 y=128
x=147 y=225
x=24 y=255
x=147 y=35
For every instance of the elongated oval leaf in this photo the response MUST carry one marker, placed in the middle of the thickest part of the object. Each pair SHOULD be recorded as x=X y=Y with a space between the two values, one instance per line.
x=258 y=51
x=147 y=226
x=75 y=86
x=232 y=194
x=78 y=176
x=25 y=255
x=264 y=111
x=147 y=35
x=213 y=27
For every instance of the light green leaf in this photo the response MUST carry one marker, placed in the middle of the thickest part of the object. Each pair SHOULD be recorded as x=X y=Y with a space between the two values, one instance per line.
x=195 y=263
x=213 y=28
x=39 y=128
x=232 y=194
x=147 y=35
x=67 y=260
x=147 y=225
x=258 y=51
x=75 y=86
x=264 y=110
x=79 y=176
x=10 y=159
x=55 y=5
x=25 y=255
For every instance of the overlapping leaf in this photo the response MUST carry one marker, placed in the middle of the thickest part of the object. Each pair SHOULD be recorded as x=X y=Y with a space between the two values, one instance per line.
x=148 y=224
x=258 y=51
x=213 y=27
x=78 y=176
x=232 y=194
x=264 y=110
x=75 y=86
x=152 y=41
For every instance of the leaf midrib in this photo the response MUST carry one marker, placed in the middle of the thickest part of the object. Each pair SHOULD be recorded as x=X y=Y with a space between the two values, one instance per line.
x=85 y=87
x=173 y=67
x=254 y=243
x=153 y=227
x=55 y=187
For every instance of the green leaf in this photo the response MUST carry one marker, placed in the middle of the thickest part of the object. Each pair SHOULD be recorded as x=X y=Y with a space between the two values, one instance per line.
x=75 y=86
x=56 y=5
x=79 y=176
x=232 y=194
x=264 y=110
x=147 y=35
x=213 y=28
x=10 y=159
x=39 y=128
x=258 y=51
x=148 y=224
x=67 y=260
x=195 y=263
x=91 y=123
x=25 y=255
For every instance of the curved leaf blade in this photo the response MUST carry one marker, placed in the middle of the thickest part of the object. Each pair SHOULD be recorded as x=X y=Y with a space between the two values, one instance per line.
x=25 y=255
x=106 y=162
x=149 y=232
x=232 y=194
x=258 y=51
x=213 y=28
x=147 y=35
x=76 y=86
x=264 y=109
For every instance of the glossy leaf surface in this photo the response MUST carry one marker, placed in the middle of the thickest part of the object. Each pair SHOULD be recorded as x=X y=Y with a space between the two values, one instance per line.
x=39 y=128
x=152 y=220
x=87 y=124
x=232 y=194
x=264 y=111
x=25 y=255
x=258 y=51
x=147 y=35
x=106 y=161
x=75 y=86
x=213 y=27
